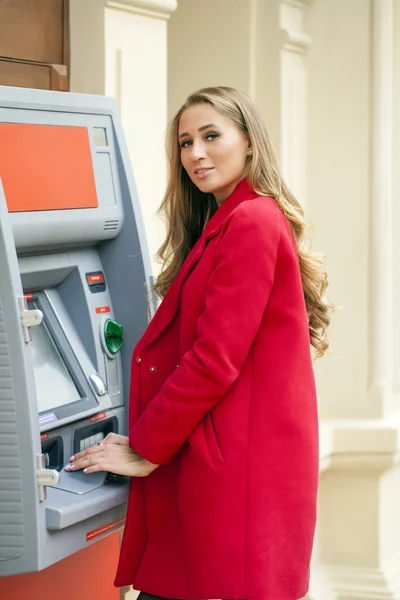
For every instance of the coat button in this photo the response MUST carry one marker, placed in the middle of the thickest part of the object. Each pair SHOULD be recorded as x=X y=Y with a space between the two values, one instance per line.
x=138 y=360
x=152 y=369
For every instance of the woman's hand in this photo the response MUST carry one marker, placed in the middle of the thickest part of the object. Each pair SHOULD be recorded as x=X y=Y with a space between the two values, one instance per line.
x=113 y=455
x=115 y=438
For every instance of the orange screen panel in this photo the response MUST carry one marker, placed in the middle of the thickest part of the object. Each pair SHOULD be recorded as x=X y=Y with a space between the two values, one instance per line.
x=46 y=167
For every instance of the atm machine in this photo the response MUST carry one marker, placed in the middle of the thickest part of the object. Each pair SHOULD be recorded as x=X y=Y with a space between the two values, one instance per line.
x=74 y=300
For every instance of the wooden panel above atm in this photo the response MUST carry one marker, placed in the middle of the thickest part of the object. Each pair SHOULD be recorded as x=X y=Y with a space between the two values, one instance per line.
x=34 y=43
x=31 y=75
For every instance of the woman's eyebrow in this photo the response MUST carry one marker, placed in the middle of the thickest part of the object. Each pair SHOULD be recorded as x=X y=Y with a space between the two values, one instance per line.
x=202 y=128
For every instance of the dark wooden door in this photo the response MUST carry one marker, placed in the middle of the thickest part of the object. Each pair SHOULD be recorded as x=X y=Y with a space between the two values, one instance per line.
x=34 y=44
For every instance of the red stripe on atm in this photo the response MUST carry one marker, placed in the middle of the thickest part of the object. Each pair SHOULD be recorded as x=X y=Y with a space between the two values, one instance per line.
x=102 y=309
x=114 y=525
x=44 y=437
x=98 y=417
x=28 y=297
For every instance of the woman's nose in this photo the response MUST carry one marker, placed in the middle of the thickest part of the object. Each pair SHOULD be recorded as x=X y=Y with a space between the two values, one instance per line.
x=197 y=151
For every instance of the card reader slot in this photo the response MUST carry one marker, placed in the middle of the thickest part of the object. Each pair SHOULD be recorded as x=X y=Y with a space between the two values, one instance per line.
x=64 y=509
x=53 y=450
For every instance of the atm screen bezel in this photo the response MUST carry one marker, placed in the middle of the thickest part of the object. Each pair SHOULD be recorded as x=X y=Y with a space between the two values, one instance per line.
x=88 y=399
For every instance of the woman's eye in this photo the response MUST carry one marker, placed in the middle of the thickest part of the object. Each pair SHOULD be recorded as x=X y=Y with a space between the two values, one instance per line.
x=209 y=137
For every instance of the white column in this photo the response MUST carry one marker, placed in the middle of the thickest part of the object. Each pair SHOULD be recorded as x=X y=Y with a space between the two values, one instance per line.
x=295 y=43
x=383 y=353
x=396 y=191
x=136 y=75
x=87 y=51
x=351 y=171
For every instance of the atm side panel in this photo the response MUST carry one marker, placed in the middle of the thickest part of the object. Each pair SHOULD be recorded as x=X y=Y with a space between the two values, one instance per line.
x=126 y=259
x=20 y=515
x=11 y=517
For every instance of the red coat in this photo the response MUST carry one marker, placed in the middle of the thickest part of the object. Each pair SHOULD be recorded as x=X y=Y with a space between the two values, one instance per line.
x=223 y=397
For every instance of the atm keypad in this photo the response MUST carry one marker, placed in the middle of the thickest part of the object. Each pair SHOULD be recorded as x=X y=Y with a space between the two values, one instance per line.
x=91 y=441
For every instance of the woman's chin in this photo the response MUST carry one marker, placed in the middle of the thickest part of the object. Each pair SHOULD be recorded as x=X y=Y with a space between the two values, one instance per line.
x=205 y=187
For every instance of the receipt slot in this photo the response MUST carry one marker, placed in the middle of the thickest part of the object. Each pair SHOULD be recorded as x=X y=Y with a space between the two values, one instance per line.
x=73 y=303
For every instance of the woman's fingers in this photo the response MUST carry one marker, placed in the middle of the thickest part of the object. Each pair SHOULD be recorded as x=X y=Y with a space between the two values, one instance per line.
x=98 y=454
x=116 y=438
x=93 y=450
x=111 y=438
x=120 y=460
x=97 y=467
x=137 y=469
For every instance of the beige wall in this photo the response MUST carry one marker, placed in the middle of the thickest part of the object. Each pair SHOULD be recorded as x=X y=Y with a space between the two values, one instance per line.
x=396 y=180
x=225 y=42
x=87 y=50
x=338 y=64
x=199 y=52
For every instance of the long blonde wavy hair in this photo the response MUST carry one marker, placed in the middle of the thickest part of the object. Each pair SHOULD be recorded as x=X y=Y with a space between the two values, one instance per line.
x=187 y=209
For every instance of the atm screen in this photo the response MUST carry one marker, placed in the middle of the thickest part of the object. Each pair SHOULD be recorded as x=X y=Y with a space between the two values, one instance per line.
x=54 y=384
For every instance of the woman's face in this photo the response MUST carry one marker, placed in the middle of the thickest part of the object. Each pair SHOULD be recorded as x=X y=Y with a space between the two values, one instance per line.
x=213 y=150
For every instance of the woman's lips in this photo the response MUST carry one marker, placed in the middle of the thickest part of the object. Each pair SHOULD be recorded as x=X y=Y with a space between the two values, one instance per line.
x=203 y=173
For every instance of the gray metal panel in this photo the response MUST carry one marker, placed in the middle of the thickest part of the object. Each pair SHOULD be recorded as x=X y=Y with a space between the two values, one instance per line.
x=73 y=294
x=64 y=509
x=18 y=414
x=81 y=305
x=14 y=97
x=106 y=191
x=127 y=263
x=11 y=518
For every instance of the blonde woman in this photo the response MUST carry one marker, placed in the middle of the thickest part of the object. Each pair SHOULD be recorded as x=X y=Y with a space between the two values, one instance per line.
x=223 y=436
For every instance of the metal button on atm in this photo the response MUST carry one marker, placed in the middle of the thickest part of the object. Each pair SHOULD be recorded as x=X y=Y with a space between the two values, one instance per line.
x=97 y=384
x=138 y=360
x=152 y=370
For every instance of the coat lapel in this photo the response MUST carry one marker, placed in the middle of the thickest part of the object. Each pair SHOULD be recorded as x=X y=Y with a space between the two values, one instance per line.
x=170 y=305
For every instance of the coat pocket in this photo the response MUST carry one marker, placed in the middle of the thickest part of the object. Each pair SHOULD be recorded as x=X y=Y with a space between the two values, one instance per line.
x=213 y=447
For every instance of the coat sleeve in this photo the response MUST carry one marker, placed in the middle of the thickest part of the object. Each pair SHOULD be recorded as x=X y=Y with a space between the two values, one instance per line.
x=235 y=300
